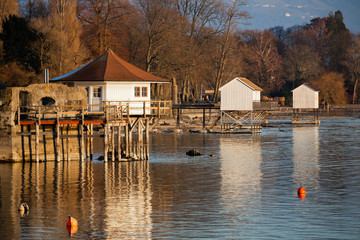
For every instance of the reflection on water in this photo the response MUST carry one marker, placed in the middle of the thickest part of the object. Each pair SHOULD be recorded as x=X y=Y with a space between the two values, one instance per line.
x=306 y=156
x=246 y=191
x=127 y=200
x=114 y=198
x=240 y=175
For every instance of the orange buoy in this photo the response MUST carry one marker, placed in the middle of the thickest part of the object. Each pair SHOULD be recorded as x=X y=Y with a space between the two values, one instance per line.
x=302 y=195
x=71 y=222
x=71 y=225
x=302 y=191
x=211 y=155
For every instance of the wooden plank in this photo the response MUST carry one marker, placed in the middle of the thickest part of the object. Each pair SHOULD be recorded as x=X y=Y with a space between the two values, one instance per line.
x=34 y=133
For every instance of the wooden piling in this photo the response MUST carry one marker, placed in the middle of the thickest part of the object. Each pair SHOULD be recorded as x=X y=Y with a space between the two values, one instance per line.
x=204 y=122
x=57 y=142
x=147 y=139
x=119 y=142
x=131 y=150
x=91 y=141
x=67 y=144
x=139 y=140
x=37 y=133
x=127 y=152
x=106 y=145
x=113 y=142
x=82 y=137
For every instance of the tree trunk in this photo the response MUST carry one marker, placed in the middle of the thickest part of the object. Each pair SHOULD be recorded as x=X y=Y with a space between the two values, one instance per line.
x=355 y=89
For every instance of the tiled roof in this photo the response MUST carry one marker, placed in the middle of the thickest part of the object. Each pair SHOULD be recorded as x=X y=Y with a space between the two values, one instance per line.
x=109 y=67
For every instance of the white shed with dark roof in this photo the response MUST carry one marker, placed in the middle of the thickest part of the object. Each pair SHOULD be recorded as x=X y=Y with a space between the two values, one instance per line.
x=305 y=97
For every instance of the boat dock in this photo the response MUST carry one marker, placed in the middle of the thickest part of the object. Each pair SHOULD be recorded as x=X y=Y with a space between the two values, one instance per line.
x=63 y=133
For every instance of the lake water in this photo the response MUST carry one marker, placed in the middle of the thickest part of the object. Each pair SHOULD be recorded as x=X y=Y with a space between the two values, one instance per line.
x=248 y=190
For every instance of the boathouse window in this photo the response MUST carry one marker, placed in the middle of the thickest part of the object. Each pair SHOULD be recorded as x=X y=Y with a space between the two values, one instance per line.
x=144 y=92
x=47 y=101
x=97 y=92
x=137 y=91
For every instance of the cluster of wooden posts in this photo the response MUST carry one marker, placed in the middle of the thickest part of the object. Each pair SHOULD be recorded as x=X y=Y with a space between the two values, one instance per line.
x=125 y=137
x=118 y=140
x=249 y=122
x=297 y=120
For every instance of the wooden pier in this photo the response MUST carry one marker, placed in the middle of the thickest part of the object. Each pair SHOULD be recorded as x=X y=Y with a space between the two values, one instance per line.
x=68 y=132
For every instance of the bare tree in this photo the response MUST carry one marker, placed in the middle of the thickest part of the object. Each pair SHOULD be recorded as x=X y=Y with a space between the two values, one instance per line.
x=199 y=17
x=100 y=20
x=34 y=9
x=353 y=64
x=158 y=20
x=231 y=17
x=59 y=43
x=264 y=64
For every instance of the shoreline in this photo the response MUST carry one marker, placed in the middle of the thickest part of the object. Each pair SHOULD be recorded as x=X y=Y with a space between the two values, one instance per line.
x=193 y=122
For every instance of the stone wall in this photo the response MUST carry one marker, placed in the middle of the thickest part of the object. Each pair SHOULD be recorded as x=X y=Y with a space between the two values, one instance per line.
x=14 y=148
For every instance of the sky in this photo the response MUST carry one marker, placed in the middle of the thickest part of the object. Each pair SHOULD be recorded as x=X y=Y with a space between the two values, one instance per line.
x=270 y=13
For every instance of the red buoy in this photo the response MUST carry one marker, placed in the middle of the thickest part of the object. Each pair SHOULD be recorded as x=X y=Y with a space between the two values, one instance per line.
x=301 y=192
x=71 y=222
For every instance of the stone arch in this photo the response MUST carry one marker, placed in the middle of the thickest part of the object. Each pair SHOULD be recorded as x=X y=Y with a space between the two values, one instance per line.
x=47 y=101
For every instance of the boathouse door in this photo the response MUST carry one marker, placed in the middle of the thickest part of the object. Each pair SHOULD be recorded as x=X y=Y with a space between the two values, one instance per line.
x=97 y=98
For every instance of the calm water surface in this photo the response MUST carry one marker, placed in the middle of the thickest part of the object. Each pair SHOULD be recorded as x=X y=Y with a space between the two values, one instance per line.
x=248 y=190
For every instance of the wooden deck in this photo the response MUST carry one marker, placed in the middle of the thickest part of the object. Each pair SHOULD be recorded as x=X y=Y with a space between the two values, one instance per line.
x=115 y=122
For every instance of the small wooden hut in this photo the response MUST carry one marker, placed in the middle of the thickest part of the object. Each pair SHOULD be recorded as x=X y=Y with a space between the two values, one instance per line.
x=305 y=98
x=239 y=95
x=237 y=99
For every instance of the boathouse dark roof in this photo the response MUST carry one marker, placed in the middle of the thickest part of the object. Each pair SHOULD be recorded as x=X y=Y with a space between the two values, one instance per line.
x=109 y=67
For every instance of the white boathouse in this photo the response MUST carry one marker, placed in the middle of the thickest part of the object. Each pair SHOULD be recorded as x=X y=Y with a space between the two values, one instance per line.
x=305 y=98
x=236 y=104
x=111 y=80
x=239 y=95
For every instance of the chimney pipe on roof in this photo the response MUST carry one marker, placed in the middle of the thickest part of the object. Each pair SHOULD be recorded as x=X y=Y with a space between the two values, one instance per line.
x=46 y=75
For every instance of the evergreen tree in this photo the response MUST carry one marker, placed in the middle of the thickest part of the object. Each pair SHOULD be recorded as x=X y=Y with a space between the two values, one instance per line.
x=339 y=42
x=18 y=37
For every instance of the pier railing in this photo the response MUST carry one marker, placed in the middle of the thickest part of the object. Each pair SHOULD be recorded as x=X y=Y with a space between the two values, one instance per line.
x=153 y=108
x=109 y=111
